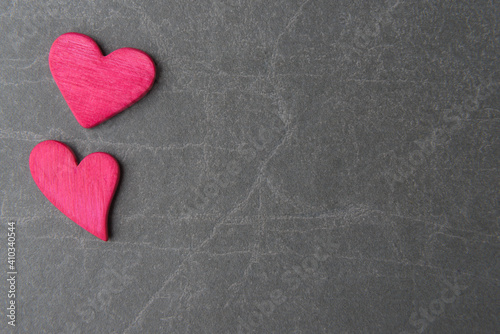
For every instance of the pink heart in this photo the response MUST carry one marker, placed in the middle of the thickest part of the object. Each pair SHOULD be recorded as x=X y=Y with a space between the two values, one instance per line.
x=98 y=87
x=82 y=192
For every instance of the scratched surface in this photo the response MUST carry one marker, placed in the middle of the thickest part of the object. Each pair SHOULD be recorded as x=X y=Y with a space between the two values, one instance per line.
x=298 y=167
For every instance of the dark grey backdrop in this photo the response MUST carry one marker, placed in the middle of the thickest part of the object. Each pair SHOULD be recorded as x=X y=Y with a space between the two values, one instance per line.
x=298 y=167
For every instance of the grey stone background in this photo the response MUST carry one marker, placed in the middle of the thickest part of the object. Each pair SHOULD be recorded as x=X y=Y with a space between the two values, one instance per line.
x=298 y=167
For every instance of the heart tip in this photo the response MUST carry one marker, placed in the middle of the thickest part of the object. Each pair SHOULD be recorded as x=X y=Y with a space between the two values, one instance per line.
x=87 y=125
x=103 y=237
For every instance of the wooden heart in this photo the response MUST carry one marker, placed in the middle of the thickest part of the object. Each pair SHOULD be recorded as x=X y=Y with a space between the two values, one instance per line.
x=98 y=87
x=82 y=192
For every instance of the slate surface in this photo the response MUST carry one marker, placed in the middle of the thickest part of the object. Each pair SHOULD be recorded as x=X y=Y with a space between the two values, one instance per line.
x=298 y=167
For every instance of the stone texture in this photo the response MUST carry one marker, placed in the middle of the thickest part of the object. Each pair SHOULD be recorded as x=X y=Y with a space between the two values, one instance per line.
x=312 y=167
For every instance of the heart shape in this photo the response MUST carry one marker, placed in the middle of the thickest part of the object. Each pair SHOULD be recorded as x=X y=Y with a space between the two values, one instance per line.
x=82 y=192
x=98 y=87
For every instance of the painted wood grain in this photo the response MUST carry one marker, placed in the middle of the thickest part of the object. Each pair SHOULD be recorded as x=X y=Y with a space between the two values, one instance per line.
x=98 y=87
x=83 y=192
